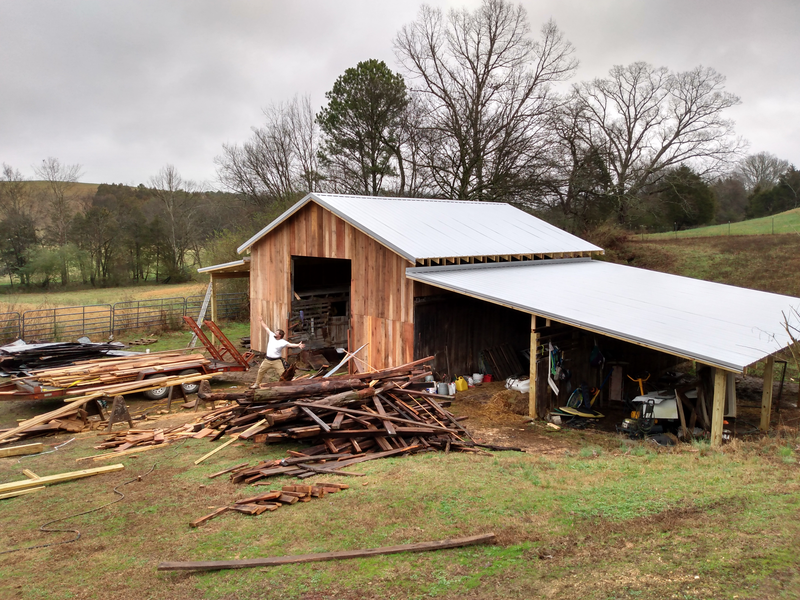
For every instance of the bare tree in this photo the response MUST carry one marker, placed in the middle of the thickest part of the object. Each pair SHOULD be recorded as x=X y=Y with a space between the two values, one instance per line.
x=17 y=226
x=15 y=194
x=180 y=200
x=575 y=187
x=61 y=199
x=279 y=161
x=485 y=86
x=761 y=171
x=650 y=120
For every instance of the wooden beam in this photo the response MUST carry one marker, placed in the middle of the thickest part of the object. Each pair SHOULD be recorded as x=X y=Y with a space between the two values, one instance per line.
x=213 y=305
x=214 y=565
x=39 y=481
x=232 y=275
x=230 y=441
x=22 y=450
x=766 y=394
x=532 y=391
x=720 y=379
x=21 y=492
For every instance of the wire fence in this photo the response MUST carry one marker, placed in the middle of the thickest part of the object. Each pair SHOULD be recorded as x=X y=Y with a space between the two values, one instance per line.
x=70 y=322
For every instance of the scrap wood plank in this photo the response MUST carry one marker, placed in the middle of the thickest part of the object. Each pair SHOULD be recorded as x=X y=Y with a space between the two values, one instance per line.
x=229 y=442
x=22 y=450
x=21 y=492
x=119 y=453
x=216 y=565
x=66 y=409
x=229 y=470
x=333 y=471
x=29 y=483
x=208 y=517
x=361 y=413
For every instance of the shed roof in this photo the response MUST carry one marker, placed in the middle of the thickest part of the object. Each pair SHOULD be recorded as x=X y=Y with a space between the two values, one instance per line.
x=235 y=266
x=420 y=229
x=716 y=324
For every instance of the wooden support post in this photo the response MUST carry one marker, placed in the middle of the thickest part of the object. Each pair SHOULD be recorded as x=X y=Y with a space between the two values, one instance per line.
x=766 y=394
x=532 y=408
x=718 y=411
x=213 y=305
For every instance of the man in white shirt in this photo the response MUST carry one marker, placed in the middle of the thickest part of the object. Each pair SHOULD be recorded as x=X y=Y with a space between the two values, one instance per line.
x=272 y=363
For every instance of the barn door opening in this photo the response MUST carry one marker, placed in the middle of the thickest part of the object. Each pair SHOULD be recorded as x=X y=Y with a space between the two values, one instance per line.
x=320 y=301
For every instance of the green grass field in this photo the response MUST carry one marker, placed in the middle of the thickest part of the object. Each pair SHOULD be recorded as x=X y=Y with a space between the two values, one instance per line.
x=786 y=222
x=170 y=340
x=16 y=301
x=593 y=521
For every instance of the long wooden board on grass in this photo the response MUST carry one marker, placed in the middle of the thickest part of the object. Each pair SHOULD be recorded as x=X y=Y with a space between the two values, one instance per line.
x=39 y=481
x=216 y=565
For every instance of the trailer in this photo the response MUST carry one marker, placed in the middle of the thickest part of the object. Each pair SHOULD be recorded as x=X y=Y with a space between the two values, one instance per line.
x=224 y=359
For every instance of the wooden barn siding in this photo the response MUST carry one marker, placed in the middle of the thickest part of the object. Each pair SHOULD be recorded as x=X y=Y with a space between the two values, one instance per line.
x=464 y=326
x=381 y=298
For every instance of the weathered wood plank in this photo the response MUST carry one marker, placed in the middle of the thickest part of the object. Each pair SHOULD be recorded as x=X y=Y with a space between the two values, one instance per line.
x=49 y=479
x=324 y=556
x=766 y=393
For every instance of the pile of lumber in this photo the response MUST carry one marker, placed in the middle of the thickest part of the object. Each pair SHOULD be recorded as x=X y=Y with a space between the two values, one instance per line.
x=76 y=420
x=273 y=500
x=111 y=371
x=124 y=440
x=68 y=416
x=347 y=419
x=18 y=357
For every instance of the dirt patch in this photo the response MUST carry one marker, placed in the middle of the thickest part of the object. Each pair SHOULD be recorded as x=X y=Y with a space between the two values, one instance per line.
x=496 y=416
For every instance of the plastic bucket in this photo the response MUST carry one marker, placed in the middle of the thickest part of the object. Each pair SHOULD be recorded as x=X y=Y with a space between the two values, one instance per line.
x=487 y=378
x=477 y=378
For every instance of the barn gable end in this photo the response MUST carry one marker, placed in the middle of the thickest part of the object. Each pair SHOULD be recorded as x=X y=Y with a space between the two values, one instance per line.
x=381 y=298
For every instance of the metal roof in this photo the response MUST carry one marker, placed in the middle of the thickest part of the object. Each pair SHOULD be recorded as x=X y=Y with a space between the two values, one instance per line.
x=236 y=266
x=421 y=228
x=716 y=324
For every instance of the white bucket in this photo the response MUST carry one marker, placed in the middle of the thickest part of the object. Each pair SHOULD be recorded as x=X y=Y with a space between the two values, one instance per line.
x=477 y=377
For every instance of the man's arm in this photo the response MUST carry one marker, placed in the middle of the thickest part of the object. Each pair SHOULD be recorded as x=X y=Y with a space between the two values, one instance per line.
x=267 y=329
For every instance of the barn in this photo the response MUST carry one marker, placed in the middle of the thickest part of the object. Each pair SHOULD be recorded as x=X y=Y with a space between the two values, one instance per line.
x=484 y=284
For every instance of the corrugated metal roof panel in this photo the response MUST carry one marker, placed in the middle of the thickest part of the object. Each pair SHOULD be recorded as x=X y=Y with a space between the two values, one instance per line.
x=422 y=228
x=716 y=324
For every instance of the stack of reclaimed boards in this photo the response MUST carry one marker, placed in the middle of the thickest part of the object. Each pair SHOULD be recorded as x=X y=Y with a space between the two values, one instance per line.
x=20 y=357
x=75 y=421
x=270 y=501
x=110 y=371
x=347 y=419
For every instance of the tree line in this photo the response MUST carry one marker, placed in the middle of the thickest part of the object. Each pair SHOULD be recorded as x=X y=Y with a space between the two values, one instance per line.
x=481 y=108
x=53 y=232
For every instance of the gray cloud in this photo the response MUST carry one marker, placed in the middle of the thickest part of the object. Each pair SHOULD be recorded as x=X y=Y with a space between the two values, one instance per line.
x=124 y=87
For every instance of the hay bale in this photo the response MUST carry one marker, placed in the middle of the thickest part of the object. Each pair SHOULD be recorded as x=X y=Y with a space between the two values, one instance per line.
x=507 y=402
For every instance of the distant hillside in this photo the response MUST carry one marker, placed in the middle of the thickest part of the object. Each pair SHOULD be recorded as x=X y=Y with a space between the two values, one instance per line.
x=88 y=189
x=761 y=262
x=785 y=222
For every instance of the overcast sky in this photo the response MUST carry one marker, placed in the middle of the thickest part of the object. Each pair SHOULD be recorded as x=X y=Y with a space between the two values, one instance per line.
x=126 y=87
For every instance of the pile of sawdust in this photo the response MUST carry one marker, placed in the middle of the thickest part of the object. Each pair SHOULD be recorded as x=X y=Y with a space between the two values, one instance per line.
x=506 y=401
